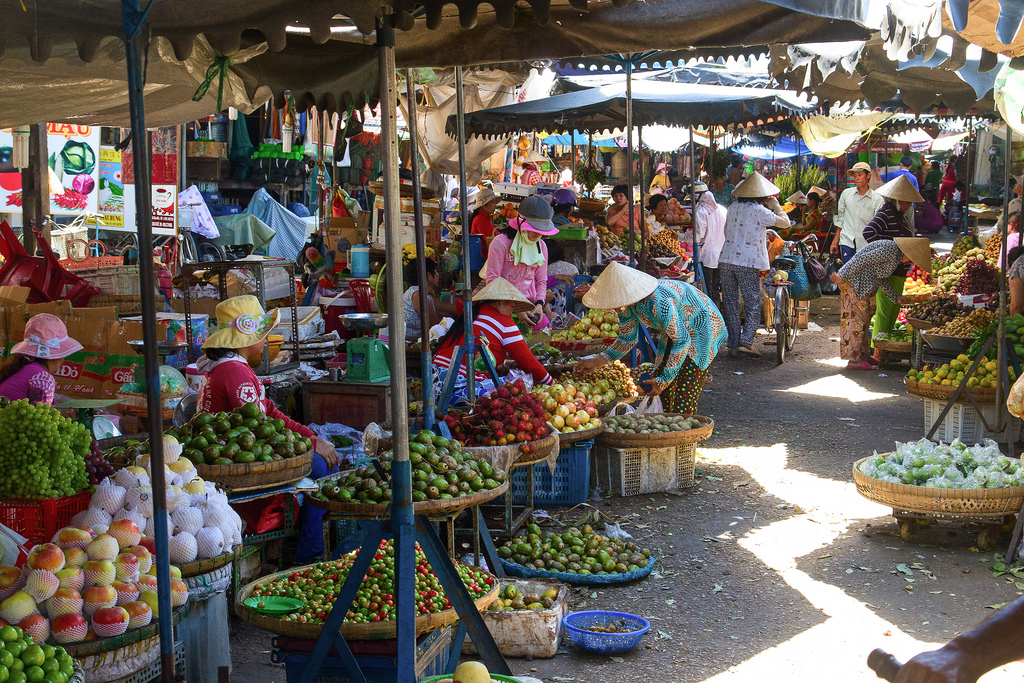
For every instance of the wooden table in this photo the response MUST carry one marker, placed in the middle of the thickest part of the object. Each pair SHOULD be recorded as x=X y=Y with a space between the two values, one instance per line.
x=355 y=404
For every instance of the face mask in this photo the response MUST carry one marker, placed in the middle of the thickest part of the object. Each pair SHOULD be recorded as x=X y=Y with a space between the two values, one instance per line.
x=524 y=252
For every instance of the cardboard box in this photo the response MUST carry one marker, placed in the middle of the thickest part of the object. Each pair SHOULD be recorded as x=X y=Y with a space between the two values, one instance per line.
x=207 y=148
x=15 y=294
x=204 y=306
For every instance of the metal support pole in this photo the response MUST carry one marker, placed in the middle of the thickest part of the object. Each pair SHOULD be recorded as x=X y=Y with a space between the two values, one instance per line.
x=629 y=158
x=572 y=162
x=640 y=189
x=133 y=18
x=467 y=282
x=698 y=272
x=1001 y=372
x=402 y=522
x=421 y=253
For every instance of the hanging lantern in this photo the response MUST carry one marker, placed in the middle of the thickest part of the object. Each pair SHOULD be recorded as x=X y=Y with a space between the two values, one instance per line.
x=20 y=154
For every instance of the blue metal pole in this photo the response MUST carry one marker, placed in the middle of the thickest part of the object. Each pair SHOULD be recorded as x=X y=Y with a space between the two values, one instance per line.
x=467 y=281
x=133 y=16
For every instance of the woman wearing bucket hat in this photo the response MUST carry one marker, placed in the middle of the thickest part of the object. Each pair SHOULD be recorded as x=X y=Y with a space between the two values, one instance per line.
x=28 y=372
x=889 y=223
x=493 y=325
x=866 y=273
x=690 y=331
x=482 y=205
x=661 y=181
x=521 y=257
x=229 y=382
x=744 y=256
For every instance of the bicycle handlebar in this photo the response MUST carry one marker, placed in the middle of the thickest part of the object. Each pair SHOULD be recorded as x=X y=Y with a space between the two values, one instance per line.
x=884 y=665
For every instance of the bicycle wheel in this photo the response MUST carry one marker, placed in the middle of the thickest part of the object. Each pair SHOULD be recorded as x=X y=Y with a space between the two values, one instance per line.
x=794 y=328
x=781 y=322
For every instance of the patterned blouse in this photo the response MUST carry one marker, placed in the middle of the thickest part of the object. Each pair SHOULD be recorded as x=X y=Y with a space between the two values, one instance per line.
x=689 y=322
x=870 y=268
x=745 y=241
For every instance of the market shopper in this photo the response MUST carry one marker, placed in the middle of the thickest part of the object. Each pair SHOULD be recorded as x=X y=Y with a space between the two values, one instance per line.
x=709 y=222
x=662 y=180
x=744 y=257
x=906 y=169
x=863 y=275
x=948 y=185
x=493 y=325
x=617 y=216
x=1015 y=280
x=927 y=216
x=520 y=256
x=437 y=309
x=229 y=382
x=1015 y=203
x=28 y=372
x=1012 y=237
x=967 y=657
x=690 y=331
x=857 y=206
x=562 y=204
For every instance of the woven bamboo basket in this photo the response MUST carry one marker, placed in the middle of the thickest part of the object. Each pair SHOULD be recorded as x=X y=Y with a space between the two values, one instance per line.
x=918 y=298
x=583 y=348
x=206 y=566
x=924 y=499
x=939 y=392
x=660 y=440
x=591 y=205
x=573 y=437
x=425 y=623
x=258 y=475
x=919 y=324
x=892 y=346
x=443 y=507
x=542 y=448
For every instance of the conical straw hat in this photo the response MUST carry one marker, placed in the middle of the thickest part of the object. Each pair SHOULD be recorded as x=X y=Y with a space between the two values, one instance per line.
x=755 y=185
x=797 y=197
x=918 y=249
x=818 y=191
x=900 y=189
x=500 y=289
x=619 y=285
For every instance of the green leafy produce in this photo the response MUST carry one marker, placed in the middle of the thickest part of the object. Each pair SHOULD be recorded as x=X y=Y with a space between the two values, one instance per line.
x=244 y=435
x=946 y=466
x=318 y=585
x=441 y=470
x=645 y=423
x=341 y=441
x=77 y=157
x=42 y=453
x=576 y=551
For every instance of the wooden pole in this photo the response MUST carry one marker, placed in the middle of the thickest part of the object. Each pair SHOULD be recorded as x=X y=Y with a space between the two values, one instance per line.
x=35 y=189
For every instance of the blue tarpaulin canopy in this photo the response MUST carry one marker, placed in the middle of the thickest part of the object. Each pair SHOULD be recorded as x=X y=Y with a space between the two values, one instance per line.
x=604 y=108
x=581 y=140
x=787 y=148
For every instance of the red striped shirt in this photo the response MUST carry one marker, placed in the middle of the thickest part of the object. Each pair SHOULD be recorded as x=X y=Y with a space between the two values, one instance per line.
x=505 y=341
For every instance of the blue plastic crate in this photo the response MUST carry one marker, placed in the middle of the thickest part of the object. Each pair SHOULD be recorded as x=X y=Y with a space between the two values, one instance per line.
x=569 y=485
x=431 y=660
x=224 y=209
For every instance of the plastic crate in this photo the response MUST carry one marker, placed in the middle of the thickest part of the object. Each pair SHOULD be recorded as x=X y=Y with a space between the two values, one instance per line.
x=569 y=485
x=39 y=520
x=377 y=659
x=567 y=233
x=963 y=422
x=632 y=471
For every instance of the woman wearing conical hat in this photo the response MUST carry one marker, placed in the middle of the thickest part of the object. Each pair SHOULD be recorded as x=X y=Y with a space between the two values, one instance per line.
x=889 y=223
x=690 y=331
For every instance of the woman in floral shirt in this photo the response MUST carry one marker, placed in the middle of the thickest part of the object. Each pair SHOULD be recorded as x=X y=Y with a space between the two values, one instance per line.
x=689 y=327
x=28 y=372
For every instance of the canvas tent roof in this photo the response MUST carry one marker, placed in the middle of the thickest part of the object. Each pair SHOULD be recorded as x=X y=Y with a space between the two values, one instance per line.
x=604 y=108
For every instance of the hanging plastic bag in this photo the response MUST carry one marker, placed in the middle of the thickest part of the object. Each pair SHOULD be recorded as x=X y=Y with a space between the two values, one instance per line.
x=1015 y=401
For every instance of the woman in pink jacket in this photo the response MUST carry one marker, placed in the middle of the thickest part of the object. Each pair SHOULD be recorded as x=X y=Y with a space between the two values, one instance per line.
x=521 y=257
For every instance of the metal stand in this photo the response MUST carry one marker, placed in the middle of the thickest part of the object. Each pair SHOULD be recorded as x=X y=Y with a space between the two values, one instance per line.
x=258 y=269
x=473 y=348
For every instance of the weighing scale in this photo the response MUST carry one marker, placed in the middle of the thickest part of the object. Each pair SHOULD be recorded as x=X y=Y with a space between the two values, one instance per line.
x=100 y=427
x=367 y=355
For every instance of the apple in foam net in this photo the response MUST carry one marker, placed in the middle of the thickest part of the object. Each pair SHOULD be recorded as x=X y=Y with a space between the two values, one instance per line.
x=75 y=557
x=149 y=543
x=103 y=547
x=37 y=626
x=73 y=537
x=139 y=613
x=145 y=557
x=11 y=580
x=126 y=532
x=126 y=566
x=71 y=577
x=69 y=628
x=97 y=597
x=47 y=556
x=149 y=597
x=126 y=592
x=64 y=601
x=110 y=621
x=99 y=572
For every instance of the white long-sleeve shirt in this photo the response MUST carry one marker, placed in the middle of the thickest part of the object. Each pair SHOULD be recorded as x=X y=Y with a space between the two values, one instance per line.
x=853 y=213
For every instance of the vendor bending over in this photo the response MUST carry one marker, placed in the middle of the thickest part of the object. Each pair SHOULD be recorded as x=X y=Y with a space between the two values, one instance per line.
x=229 y=382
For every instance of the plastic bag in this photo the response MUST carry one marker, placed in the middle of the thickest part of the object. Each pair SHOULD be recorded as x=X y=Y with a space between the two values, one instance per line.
x=1015 y=401
x=649 y=404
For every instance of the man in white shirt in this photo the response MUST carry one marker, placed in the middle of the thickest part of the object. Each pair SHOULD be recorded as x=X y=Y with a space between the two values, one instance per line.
x=856 y=207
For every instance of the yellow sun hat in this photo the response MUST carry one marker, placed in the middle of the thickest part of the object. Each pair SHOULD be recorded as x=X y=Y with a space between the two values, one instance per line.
x=241 y=322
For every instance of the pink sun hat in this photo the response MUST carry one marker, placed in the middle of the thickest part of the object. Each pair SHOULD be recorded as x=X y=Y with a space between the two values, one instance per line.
x=46 y=337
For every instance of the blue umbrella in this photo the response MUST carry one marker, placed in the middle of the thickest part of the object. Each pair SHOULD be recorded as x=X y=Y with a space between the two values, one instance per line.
x=581 y=139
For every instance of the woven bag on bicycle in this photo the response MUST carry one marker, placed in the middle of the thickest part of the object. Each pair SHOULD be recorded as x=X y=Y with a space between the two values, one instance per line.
x=803 y=289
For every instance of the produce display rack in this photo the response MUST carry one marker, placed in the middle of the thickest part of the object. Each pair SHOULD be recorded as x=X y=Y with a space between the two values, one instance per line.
x=150 y=673
x=257 y=543
x=258 y=269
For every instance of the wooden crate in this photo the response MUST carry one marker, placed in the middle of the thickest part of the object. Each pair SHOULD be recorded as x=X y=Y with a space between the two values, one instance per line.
x=207 y=168
x=356 y=404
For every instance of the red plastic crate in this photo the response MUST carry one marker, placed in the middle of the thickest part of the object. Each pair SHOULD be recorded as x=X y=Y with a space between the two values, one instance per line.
x=38 y=520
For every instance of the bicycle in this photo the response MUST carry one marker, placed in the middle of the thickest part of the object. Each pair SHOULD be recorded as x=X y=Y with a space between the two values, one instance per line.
x=787 y=312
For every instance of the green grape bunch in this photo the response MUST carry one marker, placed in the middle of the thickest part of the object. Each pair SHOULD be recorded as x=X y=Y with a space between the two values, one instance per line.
x=42 y=453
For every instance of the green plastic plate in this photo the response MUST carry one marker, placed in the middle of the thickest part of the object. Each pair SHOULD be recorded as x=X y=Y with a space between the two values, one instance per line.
x=494 y=677
x=273 y=604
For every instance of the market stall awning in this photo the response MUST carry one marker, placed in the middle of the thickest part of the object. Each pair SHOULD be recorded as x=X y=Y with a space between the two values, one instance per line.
x=604 y=108
x=786 y=148
x=581 y=140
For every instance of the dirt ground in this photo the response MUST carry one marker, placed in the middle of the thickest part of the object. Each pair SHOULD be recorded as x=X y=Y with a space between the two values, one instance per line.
x=772 y=567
